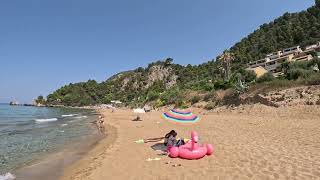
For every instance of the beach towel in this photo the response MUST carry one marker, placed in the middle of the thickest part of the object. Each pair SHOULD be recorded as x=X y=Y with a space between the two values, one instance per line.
x=153 y=159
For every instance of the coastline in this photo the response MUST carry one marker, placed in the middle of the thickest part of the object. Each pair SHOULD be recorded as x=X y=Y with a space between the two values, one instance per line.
x=51 y=165
x=83 y=166
x=250 y=142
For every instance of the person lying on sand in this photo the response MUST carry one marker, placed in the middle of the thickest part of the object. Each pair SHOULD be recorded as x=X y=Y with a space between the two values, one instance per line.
x=169 y=139
x=137 y=119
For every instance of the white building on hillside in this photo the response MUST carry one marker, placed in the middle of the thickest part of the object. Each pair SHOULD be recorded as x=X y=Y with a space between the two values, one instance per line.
x=293 y=50
x=273 y=61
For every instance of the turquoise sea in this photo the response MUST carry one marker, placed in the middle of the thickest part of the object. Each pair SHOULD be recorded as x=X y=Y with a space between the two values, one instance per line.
x=29 y=133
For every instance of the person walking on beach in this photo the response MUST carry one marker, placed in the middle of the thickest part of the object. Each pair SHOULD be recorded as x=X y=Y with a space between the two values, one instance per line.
x=100 y=123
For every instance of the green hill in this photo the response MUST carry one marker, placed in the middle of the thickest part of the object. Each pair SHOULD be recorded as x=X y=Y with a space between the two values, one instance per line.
x=289 y=30
x=164 y=82
x=138 y=86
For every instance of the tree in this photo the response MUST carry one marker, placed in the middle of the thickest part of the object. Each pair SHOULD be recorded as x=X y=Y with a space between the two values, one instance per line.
x=225 y=61
x=40 y=100
x=107 y=99
x=317 y=3
x=140 y=69
x=168 y=61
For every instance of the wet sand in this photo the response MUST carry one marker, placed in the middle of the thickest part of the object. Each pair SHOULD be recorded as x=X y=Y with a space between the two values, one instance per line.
x=251 y=142
x=52 y=165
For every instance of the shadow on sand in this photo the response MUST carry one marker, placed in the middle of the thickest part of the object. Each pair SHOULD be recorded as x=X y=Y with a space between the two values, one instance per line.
x=159 y=147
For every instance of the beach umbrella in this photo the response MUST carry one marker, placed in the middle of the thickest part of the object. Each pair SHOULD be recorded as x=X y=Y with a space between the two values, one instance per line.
x=181 y=116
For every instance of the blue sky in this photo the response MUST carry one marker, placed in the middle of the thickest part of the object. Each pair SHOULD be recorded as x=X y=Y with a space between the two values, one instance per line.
x=46 y=44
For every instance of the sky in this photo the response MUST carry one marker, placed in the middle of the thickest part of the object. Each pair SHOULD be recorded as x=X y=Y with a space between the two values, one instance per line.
x=45 y=44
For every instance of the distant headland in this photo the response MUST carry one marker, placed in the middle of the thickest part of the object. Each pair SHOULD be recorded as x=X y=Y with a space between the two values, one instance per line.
x=34 y=103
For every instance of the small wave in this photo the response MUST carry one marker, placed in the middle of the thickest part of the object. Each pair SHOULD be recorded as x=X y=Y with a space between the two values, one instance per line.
x=68 y=115
x=72 y=121
x=62 y=125
x=14 y=132
x=80 y=117
x=46 y=120
x=7 y=176
x=15 y=123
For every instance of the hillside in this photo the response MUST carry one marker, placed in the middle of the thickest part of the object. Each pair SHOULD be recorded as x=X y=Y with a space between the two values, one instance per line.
x=163 y=82
x=289 y=30
x=138 y=86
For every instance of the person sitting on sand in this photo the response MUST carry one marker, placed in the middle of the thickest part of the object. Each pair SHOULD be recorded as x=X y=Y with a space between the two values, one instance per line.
x=169 y=139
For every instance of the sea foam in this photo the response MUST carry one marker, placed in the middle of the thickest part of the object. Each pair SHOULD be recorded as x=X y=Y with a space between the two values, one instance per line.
x=46 y=120
x=68 y=115
x=80 y=117
x=7 y=176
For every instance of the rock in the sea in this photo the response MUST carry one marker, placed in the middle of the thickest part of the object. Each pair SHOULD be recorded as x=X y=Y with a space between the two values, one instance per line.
x=14 y=103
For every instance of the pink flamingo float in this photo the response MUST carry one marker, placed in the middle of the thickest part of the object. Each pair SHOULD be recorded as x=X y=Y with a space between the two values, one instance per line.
x=191 y=150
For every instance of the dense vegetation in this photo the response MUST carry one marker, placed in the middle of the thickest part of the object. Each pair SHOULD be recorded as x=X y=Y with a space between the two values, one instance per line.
x=163 y=82
x=289 y=30
x=306 y=72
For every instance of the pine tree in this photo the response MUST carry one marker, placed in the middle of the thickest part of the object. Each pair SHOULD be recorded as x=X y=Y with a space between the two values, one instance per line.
x=318 y=3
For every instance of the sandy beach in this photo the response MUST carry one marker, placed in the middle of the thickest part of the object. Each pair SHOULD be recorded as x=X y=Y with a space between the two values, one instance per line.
x=250 y=142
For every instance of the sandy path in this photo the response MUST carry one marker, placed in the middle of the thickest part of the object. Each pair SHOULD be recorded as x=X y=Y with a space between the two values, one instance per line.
x=253 y=142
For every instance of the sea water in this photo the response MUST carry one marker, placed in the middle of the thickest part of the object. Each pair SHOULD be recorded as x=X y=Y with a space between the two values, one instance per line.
x=27 y=133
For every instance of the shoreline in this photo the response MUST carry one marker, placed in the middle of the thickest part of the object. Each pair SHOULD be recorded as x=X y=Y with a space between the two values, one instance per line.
x=83 y=166
x=51 y=165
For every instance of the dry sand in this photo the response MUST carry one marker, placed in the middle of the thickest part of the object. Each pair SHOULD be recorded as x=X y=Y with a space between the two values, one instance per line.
x=252 y=142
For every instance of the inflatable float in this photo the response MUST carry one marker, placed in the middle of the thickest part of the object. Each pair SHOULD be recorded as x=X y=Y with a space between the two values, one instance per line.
x=191 y=150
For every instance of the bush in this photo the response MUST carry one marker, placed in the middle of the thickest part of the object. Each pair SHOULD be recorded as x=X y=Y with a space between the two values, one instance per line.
x=202 y=85
x=208 y=87
x=210 y=106
x=222 y=85
x=107 y=99
x=209 y=96
x=265 y=78
x=316 y=61
x=195 y=99
x=170 y=96
x=314 y=79
x=180 y=104
x=244 y=75
x=159 y=103
x=300 y=65
x=295 y=73
x=153 y=96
